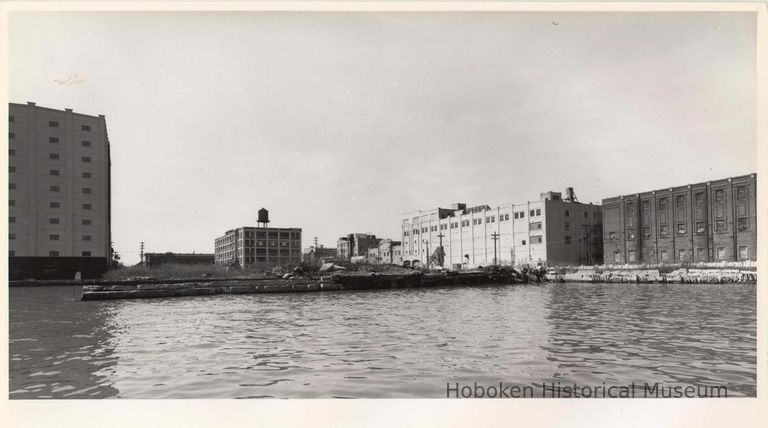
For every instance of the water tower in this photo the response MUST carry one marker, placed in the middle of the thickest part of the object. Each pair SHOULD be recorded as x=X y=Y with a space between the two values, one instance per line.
x=263 y=220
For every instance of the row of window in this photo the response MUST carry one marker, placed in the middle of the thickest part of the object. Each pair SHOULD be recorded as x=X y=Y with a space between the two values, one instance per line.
x=53 y=140
x=52 y=237
x=54 y=156
x=742 y=225
x=682 y=254
x=12 y=253
x=55 y=189
x=455 y=225
x=55 y=220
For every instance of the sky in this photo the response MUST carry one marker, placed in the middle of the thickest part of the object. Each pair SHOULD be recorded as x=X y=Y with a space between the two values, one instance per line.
x=341 y=122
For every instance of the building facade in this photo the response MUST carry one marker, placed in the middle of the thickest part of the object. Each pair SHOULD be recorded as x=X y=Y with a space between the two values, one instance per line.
x=246 y=246
x=703 y=222
x=157 y=259
x=59 y=193
x=550 y=230
x=387 y=252
x=355 y=245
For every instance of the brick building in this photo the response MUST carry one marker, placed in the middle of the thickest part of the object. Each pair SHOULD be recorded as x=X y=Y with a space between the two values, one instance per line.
x=355 y=245
x=58 y=193
x=702 y=222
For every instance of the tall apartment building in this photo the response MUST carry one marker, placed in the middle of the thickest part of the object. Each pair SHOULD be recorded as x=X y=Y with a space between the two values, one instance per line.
x=246 y=246
x=551 y=230
x=702 y=222
x=59 y=193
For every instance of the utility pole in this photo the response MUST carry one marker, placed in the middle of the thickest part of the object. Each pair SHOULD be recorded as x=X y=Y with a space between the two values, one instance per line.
x=440 y=256
x=426 y=242
x=315 y=240
x=141 y=253
x=495 y=237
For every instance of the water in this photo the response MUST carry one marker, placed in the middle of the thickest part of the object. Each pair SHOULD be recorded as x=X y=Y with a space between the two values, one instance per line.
x=384 y=343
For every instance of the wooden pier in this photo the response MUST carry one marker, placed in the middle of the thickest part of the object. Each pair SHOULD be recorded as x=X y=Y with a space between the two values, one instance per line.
x=181 y=288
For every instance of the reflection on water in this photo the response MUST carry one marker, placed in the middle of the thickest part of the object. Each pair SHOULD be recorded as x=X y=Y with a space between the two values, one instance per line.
x=385 y=343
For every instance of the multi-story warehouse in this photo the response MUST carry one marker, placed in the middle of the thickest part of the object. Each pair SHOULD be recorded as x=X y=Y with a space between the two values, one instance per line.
x=702 y=222
x=550 y=230
x=59 y=193
x=246 y=246
x=315 y=255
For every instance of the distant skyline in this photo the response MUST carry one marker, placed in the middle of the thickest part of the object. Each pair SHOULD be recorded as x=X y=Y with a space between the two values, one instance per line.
x=341 y=122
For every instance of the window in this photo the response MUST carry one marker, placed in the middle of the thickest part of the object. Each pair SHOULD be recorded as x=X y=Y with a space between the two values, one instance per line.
x=54 y=188
x=538 y=211
x=53 y=156
x=663 y=230
x=88 y=238
x=53 y=221
x=53 y=172
x=85 y=143
x=11 y=219
x=53 y=237
x=663 y=204
x=681 y=229
x=535 y=226
x=54 y=140
x=567 y=239
x=11 y=169
x=567 y=226
x=741 y=193
x=522 y=214
x=681 y=255
x=617 y=256
x=645 y=206
x=664 y=255
x=646 y=232
x=700 y=228
x=11 y=152
x=699 y=197
x=86 y=175
x=611 y=235
x=743 y=224
x=11 y=203
x=11 y=119
x=567 y=213
x=11 y=236
x=86 y=190
x=743 y=253
x=517 y=215
x=54 y=205
x=85 y=128
x=536 y=239
x=700 y=255
x=523 y=241
x=630 y=234
x=586 y=214
x=53 y=124
x=11 y=135
x=720 y=226
x=86 y=159
x=630 y=256
x=53 y=254
x=88 y=206
x=719 y=196
x=11 y=186
x=721 y=253
x=532 y=213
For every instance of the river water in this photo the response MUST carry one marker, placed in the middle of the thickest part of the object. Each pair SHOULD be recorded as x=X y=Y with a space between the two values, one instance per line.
x=381 y=343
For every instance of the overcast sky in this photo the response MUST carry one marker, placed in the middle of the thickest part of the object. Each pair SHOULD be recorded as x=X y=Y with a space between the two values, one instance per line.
x=341 y=122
